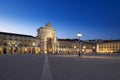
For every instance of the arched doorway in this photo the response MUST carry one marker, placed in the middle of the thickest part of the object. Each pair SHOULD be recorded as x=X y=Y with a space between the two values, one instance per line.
x=4 y=51
x=33 y=50
x=49 y=45
x=15 y=50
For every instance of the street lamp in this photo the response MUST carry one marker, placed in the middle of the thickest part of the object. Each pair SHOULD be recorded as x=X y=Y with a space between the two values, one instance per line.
x=79 y=36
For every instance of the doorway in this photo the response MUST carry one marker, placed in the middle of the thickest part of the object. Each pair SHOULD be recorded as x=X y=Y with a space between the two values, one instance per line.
x=4 y=51
x=49 y=46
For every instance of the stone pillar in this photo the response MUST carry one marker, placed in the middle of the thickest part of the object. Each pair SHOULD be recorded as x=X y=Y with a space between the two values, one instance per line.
x=23 y=50
x=27 y=50
x=6 y=50
x=58 y=47
x=53 y=47
x=30 y=49
x=2 y=50
x=45 y=45
x=12 y=50
x=19 y=50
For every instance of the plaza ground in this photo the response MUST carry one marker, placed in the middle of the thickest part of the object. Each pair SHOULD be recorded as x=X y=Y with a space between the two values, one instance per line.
x=59 y=67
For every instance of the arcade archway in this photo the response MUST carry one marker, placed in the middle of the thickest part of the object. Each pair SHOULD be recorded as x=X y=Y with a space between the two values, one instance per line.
x=49 y=46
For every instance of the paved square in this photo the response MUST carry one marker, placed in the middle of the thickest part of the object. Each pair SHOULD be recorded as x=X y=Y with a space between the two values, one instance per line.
x=59 y=67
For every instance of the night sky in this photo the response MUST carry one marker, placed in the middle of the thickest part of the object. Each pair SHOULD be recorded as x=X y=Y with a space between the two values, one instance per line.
x=95 y=19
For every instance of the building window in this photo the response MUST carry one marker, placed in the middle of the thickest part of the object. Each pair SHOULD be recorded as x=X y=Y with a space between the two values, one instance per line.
x=116 y=46
x=5 y=38
x=5 y=43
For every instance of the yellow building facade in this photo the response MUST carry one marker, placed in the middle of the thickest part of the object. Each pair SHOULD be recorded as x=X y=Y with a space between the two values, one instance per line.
x=46 y=42
x=11 y=43
x=74 y=46
x=112 y=46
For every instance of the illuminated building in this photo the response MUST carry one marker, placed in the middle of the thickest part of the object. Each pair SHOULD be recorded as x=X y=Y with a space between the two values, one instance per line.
x=111 y=46
x=68 y=46
x=11 y=43
x=74 y=46
x=46 y=42
x=88 y=47
x=47 y=39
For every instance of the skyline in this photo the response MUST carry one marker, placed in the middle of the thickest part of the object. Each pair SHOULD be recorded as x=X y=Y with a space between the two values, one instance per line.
x=94 y=19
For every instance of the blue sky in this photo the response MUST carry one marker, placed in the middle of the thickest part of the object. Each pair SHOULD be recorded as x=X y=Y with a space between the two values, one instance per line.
x=95 y=19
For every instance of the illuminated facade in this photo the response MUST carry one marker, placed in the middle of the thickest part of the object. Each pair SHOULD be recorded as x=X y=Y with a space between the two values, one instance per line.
x=69 y=46
x=112 y=46
x=11 y=43
x=46 y=42
x=47 y=39
x=74 y=46
x=88 y=47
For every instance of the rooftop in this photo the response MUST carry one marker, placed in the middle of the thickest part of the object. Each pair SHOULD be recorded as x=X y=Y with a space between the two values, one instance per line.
x=14 y=34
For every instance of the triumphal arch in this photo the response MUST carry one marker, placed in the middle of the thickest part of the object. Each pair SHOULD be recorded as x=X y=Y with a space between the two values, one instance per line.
x=47 y=39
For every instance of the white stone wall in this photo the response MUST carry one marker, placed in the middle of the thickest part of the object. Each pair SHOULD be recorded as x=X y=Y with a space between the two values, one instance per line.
x=43 y=34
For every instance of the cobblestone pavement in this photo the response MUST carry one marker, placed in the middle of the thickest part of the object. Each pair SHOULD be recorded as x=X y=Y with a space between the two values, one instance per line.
x=59 y=67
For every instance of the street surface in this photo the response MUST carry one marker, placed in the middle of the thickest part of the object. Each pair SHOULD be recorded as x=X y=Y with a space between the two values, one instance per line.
x=59 y=67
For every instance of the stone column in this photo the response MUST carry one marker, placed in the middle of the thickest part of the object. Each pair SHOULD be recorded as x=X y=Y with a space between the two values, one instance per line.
x=2 y=51
x=23 y=50
x=7 y=48
x=53 y=47
x=42 y=44
x=30 y=49
x=18 y=50
x=58 y=47
x=12 y=50
x=45 y=45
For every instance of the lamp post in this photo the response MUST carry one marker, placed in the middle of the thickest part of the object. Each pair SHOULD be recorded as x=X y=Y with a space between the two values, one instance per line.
x=79 y=36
